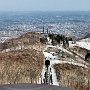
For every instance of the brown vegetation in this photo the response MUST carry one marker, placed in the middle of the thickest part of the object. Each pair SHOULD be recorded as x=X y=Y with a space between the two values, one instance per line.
x=29 y=38
x=22 y=66
x=73 y=76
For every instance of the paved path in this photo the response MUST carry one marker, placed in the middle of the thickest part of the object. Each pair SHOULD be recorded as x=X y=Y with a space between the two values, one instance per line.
x=54 y=77
x=32 y=87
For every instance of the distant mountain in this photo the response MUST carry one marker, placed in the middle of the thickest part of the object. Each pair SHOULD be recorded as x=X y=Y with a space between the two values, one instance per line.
x=85 y=39
x=87 y=36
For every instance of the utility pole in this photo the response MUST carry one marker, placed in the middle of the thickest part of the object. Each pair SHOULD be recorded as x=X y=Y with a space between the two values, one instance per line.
x=43 y=29
x=47 y=30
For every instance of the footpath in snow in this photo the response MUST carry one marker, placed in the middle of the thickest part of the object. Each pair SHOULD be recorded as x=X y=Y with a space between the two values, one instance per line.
x=54 y=60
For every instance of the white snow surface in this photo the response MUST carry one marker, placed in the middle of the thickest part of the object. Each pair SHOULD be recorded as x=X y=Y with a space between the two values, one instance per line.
x=54 y=60
x=85 y=45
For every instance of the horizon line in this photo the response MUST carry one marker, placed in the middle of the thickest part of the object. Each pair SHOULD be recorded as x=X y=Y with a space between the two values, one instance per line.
x=46 y=11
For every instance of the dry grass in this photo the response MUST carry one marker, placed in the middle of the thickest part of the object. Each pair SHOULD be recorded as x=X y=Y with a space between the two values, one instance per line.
x=73 y=76
x=30 y=38
x=22 y=66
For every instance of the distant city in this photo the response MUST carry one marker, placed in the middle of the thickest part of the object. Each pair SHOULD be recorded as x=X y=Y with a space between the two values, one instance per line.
x=13 y=24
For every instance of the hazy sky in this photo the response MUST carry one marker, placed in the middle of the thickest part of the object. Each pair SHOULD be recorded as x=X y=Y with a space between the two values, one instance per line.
x=44 y=5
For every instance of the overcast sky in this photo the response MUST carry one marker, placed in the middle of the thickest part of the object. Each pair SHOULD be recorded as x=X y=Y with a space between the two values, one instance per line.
x=44 y=5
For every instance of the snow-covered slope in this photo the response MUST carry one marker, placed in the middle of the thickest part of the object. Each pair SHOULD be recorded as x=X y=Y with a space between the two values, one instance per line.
x=85 y=45
x=54 y=60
